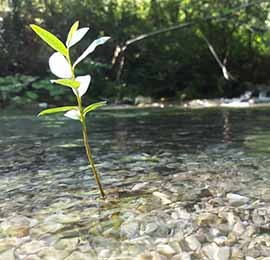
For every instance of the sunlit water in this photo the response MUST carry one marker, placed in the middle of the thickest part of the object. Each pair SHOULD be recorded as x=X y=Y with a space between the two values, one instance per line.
x=44 y=171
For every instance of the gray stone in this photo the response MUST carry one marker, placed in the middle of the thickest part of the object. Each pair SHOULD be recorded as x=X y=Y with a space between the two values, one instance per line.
x=239 y=228
x=139 y=186
x=193 y=243
x=141 y=100
x=213 y=252
x=32 y=247
x=129 y=229
x=237 y=253
x=253 y=252
x=156 y=256
x=8 y=255
x=182 y=256
x=150 y=228
x=77 y=255
x=236 y=199
x=166 y=250
x=165 y=199
x=206 y=219
x=68 y=244
x=17 y=226
x=220 y=240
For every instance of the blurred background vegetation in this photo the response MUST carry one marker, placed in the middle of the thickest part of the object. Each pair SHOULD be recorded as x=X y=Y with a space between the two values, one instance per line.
x=174 y=63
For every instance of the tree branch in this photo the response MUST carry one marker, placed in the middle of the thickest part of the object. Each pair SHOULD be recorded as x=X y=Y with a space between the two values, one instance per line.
x=119 y=53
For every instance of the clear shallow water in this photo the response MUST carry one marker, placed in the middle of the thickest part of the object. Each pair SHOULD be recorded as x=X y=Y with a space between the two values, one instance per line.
x=45 y=177
x=47 y=154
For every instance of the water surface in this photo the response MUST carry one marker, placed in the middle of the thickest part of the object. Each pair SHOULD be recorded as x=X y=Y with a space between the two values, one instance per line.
x=45 y=177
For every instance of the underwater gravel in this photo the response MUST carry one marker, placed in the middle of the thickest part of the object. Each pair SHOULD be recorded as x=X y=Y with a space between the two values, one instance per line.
x=184 y=187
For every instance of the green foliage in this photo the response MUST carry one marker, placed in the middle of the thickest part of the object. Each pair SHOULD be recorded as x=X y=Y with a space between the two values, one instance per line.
x=67 y=83
x=61 y=66
x=93 y=107
x=50 y=39
x=56 y=110
x=51 y=94
x=72 y=30
x=163 y=65
x=16 y=89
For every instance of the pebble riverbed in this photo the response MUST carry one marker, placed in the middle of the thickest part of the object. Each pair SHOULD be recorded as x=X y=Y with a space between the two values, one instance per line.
x=167 y=198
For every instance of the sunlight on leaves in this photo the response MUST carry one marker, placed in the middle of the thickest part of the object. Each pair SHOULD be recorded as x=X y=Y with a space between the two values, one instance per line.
x=93 y=107
x=71 y=32
x=67 y=83
x=90 y=49
x=84 y=82
x=50 y=39
x=56 y=110
x=73 y=114
x=59 y=66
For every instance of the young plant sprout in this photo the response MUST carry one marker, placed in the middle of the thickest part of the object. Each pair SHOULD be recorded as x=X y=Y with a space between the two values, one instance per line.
x=61 y=66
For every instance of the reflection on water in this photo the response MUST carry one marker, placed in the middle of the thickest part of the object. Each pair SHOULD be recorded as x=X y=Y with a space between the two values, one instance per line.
x=31 y=146
x=44 y=172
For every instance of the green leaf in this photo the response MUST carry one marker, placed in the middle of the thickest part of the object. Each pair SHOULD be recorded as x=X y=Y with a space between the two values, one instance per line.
x=67 y=83
x=93 y=107
x=56 y=110
x=50 y=39
x=72 y=30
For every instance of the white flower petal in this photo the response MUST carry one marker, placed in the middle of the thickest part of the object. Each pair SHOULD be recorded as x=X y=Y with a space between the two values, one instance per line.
x=73 y=114
x=84 y=84
x=91 y=48
x=59 y=66
x=77 y=36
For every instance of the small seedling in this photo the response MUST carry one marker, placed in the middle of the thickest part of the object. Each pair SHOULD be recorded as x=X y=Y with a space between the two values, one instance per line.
x=60 y=65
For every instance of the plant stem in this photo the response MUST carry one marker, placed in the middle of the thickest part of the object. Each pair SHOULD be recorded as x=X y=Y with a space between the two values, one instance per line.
x=90 y=158
x=88 y=149
x=85 y=134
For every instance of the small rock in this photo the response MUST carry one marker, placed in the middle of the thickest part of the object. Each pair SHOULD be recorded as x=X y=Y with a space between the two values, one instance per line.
x=201 y=235
x=166 y=250
x=250 y=231
x=144 y=257
x=17 y=226
x=182 y=256
x=104 y=254
x=129 y=229
x=220 y=240
x=32 y=247
x=139 y=186
x=253 y=252
x=68 y=244
x=236 y=199
x=214 y=232
x=193 y=243
x=231 y=239
x=8 y=255
x=237 y=254
x=181 y=214
x=239 y=228
x=156 y=256
x=150 y=228
x=77 y=255
x=206 y=219
x=142 y=100
x=214 y=252
x=163 y=197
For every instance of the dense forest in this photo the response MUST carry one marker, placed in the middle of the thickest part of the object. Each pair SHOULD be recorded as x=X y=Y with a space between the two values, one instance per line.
x=176 y=49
